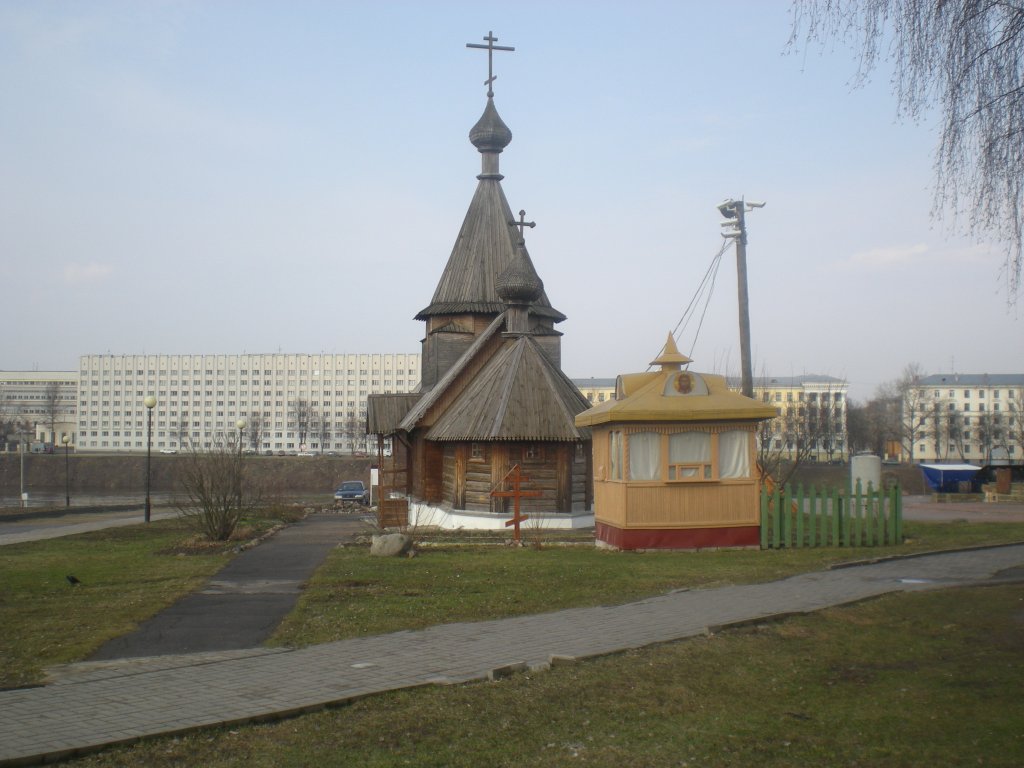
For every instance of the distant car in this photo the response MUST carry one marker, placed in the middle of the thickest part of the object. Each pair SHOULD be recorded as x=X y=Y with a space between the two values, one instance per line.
x=306 y=453
x=352 y=490
x=167 y=450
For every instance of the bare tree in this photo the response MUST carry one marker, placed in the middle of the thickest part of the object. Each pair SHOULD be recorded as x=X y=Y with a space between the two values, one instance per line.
x=907 y=409
x=51 y=408
x=257 y=427
x=354 y=430
x=787 y=442
x=965 y=59
x=934 y=427
x=299 y=418
x=956 y=428
x=218 y=492
x=181 y=430
x=1015 y=423
x=322 y=425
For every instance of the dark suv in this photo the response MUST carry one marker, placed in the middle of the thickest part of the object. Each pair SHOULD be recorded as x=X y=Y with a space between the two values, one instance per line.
x=352 y=490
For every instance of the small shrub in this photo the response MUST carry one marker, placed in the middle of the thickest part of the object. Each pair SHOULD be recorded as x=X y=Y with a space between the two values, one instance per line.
x=218 y=492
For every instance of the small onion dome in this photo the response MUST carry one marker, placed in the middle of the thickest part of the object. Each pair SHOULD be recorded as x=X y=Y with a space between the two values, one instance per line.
x=519 y=283
x=490 y=134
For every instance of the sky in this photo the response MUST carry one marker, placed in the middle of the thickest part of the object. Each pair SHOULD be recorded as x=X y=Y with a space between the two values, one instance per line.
x=229 y=176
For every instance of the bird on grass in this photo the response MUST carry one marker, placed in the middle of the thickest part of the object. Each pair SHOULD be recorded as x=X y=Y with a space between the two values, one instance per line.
x=72 y=580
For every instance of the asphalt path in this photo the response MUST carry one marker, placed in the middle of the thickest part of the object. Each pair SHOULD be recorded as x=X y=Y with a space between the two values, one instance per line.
x=243 y=603
x=33 y=526
x=922 y=508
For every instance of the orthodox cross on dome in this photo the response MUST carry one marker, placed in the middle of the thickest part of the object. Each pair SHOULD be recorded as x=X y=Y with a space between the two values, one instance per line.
x=522 y=224
x=490 y=48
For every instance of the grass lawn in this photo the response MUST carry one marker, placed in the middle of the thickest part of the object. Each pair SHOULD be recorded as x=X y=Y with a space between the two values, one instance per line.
x=354 y=594
x=128 y=574
x=915 y=679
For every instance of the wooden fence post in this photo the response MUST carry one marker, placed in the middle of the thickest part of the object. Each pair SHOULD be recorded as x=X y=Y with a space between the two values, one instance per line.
x=787 y=494
x=835 y=517
x=813 y=519
x=764 y=517
x=799 y=516
x=869 y=515
x=857 y=522
x=776 y=518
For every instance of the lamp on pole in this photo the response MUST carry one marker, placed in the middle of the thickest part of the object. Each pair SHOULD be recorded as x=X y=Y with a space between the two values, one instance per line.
x=21 y=452
x=150 y=403
x=734 y=210
x=238 y=471
x=66 y=439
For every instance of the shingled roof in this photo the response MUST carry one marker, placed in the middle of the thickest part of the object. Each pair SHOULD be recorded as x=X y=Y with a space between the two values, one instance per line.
x=487 y=241
x=518 y=395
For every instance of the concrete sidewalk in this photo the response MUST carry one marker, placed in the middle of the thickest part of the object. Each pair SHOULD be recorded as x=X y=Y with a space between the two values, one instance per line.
x=100 y=704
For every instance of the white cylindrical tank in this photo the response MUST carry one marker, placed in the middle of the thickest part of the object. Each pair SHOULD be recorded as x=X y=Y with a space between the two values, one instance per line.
x=867 y=468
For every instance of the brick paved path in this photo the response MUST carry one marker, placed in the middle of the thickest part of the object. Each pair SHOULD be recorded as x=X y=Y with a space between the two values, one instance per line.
x=106 y=703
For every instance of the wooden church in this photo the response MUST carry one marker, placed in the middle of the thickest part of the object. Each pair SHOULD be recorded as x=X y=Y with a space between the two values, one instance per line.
x=492 y=396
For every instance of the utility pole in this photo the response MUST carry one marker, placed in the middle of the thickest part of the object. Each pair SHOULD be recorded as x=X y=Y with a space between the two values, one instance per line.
x=734 y=211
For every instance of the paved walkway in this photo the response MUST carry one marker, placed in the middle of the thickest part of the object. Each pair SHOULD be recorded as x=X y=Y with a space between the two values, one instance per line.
x=106 y=703
x=242 y=604
x=17 y=529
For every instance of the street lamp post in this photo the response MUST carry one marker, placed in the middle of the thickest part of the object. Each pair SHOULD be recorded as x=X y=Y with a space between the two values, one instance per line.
x=66 y=439
x=238 y=472
x=21 y=452
x=150 y=403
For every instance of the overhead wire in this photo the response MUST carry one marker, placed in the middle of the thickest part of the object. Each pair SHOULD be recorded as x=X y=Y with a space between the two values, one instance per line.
x=706 y=288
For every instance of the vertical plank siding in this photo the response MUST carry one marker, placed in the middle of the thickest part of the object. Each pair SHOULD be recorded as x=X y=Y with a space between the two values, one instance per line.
x=862 y=518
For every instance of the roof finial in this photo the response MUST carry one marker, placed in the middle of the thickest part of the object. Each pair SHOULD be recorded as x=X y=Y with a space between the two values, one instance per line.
x=522 y=224
x=490 y=48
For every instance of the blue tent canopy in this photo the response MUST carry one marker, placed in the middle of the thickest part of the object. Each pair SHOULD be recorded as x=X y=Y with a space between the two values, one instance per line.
x=946 y=478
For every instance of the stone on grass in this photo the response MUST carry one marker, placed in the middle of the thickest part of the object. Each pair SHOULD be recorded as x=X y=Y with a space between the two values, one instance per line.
x=390 y=545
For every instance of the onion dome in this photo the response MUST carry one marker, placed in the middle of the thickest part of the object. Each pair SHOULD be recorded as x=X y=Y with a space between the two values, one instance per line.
x=490 y=134
x=519 y=283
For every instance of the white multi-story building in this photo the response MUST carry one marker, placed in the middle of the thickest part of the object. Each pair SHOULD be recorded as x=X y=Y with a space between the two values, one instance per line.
x=810 y=415
x=972 y=417
x=288 y=402
x=38 y=406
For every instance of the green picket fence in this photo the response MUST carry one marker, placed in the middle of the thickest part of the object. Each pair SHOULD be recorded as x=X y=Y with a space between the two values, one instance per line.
x=830 y=518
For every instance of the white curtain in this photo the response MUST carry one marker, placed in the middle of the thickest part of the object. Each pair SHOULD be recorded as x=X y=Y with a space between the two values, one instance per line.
x=644 y=456
x=734 y=454
x=615 y=455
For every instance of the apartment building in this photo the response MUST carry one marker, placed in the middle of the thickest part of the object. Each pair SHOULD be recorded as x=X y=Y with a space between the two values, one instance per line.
x=596 y=390
x=810 y=416
x=37 y=406
x=966 y=417
x=284 y=402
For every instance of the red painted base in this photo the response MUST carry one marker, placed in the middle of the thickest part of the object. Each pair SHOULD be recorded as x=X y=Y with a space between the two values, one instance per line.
x=678 y=538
